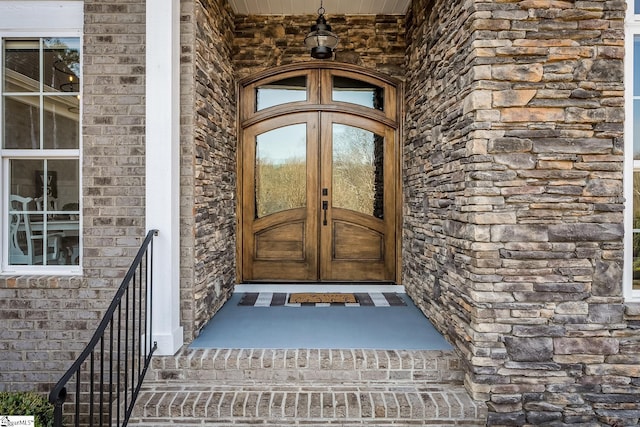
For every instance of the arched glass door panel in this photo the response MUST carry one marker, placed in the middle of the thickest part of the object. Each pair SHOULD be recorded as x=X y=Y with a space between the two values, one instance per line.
x=281 y=169
x=358 y=92
x=292 y=89
x=358 y=170
x=318 y=175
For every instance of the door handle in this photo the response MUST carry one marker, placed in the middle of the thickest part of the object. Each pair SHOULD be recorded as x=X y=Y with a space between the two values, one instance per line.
x=325 y=207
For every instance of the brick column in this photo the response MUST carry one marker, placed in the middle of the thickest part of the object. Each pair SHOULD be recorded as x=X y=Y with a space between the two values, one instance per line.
x=163 y=168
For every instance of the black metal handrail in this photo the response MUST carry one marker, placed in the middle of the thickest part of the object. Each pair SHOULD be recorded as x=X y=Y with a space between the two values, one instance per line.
x=109 y=372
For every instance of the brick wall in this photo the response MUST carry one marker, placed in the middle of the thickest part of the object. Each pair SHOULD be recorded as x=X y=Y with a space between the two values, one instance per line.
x=46 y=321
x=187 y=180
x=513 y=235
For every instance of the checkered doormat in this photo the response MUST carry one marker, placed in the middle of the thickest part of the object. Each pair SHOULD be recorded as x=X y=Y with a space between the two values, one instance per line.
x=276 y=299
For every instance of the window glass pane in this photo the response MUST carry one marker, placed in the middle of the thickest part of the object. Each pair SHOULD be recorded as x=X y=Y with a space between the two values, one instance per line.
x=281 y=170
x=61 y=127
x=636 y=6
x=22 y=66
x=23 y=178
x=636 y=230
x=358 y=92
x=21 y=122
x=44 y=194
x=281 y=92
x=61 y=63
x=44 y=212
x=67 y=185
x=636 y=129
x=358 y=172
x=65 y=207
x=636 y=65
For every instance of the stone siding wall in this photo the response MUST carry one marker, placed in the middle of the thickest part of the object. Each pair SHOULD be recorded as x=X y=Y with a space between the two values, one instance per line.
x=47 y=321
x=374 y=42
x=514 y=200
x=211 y=155
x=436 y=240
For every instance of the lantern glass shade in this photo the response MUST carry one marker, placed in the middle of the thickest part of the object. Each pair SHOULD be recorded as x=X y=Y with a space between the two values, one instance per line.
x=321 y=40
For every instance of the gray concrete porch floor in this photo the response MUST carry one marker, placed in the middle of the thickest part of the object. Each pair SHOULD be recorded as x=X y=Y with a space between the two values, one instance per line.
x=382 y=328
x=311 y=366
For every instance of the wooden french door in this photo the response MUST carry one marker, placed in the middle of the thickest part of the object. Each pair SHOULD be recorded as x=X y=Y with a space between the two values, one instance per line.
x=318 y=199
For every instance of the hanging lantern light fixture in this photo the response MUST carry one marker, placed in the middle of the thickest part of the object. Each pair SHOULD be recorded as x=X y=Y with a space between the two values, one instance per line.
x=321 y=40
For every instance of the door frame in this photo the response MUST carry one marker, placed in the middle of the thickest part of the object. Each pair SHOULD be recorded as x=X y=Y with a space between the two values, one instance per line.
x=247 y=115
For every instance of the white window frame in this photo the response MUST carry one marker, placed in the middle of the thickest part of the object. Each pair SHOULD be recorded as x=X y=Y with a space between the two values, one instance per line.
x=38 y=19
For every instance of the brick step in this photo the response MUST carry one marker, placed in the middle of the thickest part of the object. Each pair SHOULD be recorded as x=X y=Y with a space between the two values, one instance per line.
x=221 y=387
x=280 y=404
x=304 y=365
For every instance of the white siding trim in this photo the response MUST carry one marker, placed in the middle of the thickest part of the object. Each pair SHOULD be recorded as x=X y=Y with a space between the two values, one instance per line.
x=163 y=168
x=34 y=16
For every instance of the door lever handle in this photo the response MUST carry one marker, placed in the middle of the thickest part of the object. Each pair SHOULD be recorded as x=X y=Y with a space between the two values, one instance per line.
x=325 y=207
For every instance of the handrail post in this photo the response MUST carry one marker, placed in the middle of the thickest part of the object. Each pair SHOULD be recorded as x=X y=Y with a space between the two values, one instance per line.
x=57 y=407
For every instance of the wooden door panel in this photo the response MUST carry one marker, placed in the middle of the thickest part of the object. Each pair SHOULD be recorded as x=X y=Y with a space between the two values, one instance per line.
x=282 y=242
x=358 y=240
x=329 y=214
x=280 y=239
x=355 y=242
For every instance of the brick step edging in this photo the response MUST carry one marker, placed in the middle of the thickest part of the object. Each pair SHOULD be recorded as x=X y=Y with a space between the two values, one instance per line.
x=433 y=366
x=444 y=405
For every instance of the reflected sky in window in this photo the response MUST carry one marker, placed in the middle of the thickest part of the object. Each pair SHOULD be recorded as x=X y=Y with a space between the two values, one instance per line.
x=282 y=144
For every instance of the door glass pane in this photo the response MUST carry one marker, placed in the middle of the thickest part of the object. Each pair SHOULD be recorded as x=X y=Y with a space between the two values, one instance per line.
x=21 y=122
x=280 y=92
x=636 y=94
x=636 y=65
x=281 y=170
x=358 y=173
x=358 y=92
x=636 y=230
x=22 y=66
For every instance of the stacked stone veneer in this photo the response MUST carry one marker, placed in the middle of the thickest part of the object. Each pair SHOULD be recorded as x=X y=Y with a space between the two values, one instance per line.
x=46 y=321
x=208 y=161
x=513 y=204
x=376 y=42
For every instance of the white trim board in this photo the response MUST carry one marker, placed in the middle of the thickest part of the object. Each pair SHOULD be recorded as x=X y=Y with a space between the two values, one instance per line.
x=33 y=16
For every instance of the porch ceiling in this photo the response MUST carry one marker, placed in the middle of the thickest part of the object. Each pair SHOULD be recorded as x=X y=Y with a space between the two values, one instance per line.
x=309 y=7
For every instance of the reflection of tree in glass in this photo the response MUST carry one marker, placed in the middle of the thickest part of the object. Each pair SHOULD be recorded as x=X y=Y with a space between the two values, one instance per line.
x=280 y=186
x=357 y=170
